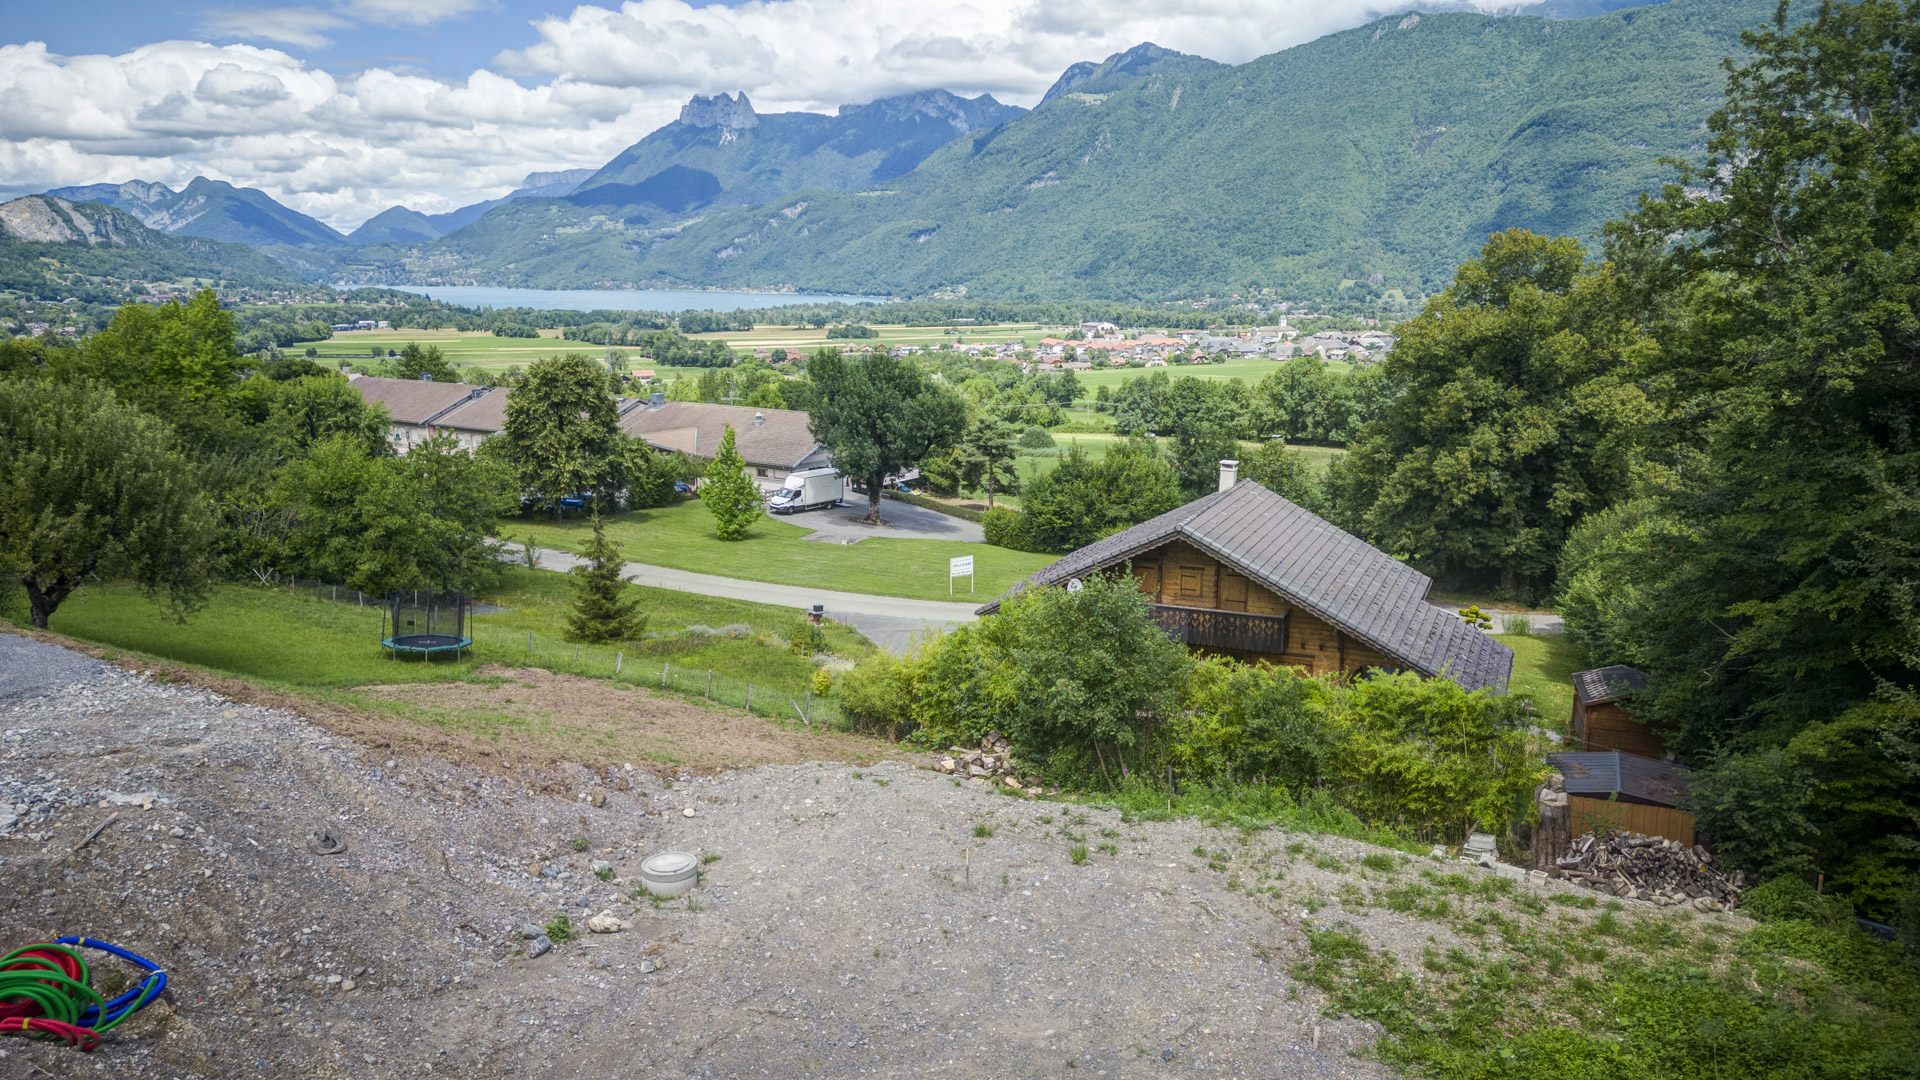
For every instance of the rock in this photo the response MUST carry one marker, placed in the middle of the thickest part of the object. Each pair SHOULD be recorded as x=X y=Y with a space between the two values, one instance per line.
x=346 y=984
x=606 y=923
x=597 y=796
x=141 y=799
x=648 y=967
x=539 y=946
x=600 y=865
x=947 y=765
x=333 y=980
x=689 y=812
x=976 y=772
x=530 y=931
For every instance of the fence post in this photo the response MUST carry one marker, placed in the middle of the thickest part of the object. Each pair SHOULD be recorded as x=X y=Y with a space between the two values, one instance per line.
x=809 y=714
x=664 y=665
x=709 y=684
x=749 y=697
x=618 y=659
x=529 y=644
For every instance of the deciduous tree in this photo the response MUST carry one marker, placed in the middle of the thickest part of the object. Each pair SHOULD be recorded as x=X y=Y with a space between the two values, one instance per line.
x=562 y=434
x=880 y=416
x=93 y=488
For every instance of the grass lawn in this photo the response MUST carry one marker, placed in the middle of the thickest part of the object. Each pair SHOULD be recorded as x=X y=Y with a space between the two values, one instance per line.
x=303 y=640
x=1543 y=667
x=681 y=536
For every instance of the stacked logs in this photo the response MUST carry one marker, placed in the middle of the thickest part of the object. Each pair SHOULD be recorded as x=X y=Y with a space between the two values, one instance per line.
x=1652 y=868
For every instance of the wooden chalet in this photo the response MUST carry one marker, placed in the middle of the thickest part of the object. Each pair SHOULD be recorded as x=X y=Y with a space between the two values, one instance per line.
x=1246 y=573
x=1600 y=720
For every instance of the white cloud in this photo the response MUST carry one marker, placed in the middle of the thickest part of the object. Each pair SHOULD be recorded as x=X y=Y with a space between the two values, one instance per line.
x=345 y=147
x=414 y=12
x=822 y=53
x=303 y=26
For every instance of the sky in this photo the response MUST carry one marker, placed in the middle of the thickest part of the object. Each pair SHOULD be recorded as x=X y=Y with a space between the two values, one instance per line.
x=342 y=108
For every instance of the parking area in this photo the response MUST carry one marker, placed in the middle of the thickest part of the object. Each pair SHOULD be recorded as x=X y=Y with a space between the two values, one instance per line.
x=842 y=524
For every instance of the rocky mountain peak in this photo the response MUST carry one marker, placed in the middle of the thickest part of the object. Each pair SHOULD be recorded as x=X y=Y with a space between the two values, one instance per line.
x=721 y=111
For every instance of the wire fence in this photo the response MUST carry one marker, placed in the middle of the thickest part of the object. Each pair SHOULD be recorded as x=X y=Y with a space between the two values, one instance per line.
x=496 y=643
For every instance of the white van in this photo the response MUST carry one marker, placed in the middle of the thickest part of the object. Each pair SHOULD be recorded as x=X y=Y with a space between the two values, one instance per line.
x=808 y=489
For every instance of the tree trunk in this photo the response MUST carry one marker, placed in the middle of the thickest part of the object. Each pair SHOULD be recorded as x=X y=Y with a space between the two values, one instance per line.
x=41 y=604
x=873 y=500
x=1554 y=834
x=989 y=485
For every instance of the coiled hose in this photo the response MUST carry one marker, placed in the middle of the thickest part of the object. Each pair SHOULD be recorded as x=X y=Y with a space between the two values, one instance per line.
x=46 y=992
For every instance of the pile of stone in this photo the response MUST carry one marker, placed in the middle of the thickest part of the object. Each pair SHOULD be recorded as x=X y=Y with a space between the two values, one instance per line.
x=1652 y=868
x=990 y=763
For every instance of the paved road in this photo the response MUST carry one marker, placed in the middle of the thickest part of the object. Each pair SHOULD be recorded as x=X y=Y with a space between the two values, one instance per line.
x=891 y=622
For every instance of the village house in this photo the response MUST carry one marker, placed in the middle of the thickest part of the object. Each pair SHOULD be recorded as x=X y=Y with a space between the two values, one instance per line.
x=1244 y=572
x=1600 y=717
x=414 y=406
x=773 y=442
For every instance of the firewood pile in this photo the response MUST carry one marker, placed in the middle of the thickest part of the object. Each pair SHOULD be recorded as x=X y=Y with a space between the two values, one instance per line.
x=990 y=763
x=1652 y=868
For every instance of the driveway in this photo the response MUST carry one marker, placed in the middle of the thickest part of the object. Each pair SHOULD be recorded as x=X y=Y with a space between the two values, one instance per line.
x=891 y=622
x=841 y=524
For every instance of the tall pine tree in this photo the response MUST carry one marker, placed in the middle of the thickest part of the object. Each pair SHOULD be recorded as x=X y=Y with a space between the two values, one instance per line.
x=603 y=613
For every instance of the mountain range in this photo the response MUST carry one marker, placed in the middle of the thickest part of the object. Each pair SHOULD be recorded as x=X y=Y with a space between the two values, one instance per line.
x=54 y=248
x=1361 y=163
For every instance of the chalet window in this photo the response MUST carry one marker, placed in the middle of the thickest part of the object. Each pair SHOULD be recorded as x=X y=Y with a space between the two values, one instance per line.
x=1193 y=582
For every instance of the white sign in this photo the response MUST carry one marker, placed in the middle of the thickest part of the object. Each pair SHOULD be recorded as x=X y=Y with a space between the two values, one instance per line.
x=1073 y=585
x=960 y=567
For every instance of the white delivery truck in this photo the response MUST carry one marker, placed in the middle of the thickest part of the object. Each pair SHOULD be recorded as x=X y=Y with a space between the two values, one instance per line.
x=808 y=489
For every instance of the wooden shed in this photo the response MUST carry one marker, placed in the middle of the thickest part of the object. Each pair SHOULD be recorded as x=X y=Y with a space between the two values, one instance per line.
x=1617 y=790
x=1600 y=717
x=1247 y=573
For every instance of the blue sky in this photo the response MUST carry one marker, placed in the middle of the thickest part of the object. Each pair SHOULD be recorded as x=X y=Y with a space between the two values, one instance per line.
x=342 y=108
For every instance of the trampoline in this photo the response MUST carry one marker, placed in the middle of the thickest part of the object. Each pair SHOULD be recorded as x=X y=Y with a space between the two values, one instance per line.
x=426 y=624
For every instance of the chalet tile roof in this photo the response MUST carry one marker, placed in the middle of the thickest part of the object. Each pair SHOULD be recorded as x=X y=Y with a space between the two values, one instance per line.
x=1601 y=685
x=1597 y=774
x=1328 y=572
x=412 y=401
x=782 y=440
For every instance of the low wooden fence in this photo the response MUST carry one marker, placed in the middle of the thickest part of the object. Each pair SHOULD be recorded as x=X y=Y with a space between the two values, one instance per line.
x=1597 y=815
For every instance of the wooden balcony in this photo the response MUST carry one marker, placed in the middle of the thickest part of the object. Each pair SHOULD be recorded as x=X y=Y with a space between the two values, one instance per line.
x=1212 y=628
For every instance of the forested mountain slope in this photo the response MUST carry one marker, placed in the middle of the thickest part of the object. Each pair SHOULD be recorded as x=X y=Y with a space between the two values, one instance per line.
x=1378 y=158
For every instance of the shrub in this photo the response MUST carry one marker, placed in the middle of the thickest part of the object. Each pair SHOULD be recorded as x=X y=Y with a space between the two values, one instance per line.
x=822 y=681
x=1006 y=528
x=1036 y=438
x=877 y=695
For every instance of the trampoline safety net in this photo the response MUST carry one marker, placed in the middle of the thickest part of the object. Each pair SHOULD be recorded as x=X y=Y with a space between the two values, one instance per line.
x=425 y=623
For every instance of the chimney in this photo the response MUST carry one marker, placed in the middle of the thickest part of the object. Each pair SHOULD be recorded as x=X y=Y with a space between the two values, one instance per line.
x=759 y=418
x=1229 y=472
x=656 y=399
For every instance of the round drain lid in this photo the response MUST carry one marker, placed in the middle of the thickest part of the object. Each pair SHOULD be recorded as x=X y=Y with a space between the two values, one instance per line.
x=670 y=873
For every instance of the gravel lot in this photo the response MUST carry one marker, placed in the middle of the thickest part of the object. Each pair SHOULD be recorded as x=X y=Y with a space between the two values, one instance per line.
x=851 y=921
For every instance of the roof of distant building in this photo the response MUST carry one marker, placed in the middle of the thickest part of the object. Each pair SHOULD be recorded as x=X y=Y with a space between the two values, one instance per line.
x=783 y=438
x=413 y=401
x=1600 y=773
x=1601 y=685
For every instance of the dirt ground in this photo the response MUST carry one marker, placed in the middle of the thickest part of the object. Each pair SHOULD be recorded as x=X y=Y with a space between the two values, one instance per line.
x=554 y=717
x=850 y=920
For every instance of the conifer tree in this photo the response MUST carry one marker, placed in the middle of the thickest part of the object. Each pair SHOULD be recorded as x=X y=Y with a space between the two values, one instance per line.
x=729 y=493
x=603 y=613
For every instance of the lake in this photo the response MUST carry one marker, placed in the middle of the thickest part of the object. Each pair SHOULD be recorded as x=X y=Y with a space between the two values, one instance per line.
x=621 y=299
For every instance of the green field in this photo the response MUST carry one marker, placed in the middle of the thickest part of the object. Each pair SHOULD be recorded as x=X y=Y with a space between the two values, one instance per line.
x=306 y=640
x=1250 y=371
x=681 y=537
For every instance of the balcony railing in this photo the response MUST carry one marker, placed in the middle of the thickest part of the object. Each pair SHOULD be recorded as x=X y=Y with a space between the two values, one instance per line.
x=1215 y=629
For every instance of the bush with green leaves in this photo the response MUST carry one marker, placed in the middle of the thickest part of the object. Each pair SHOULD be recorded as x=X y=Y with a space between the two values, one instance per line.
x=1006 y=528
x=1036 y=438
